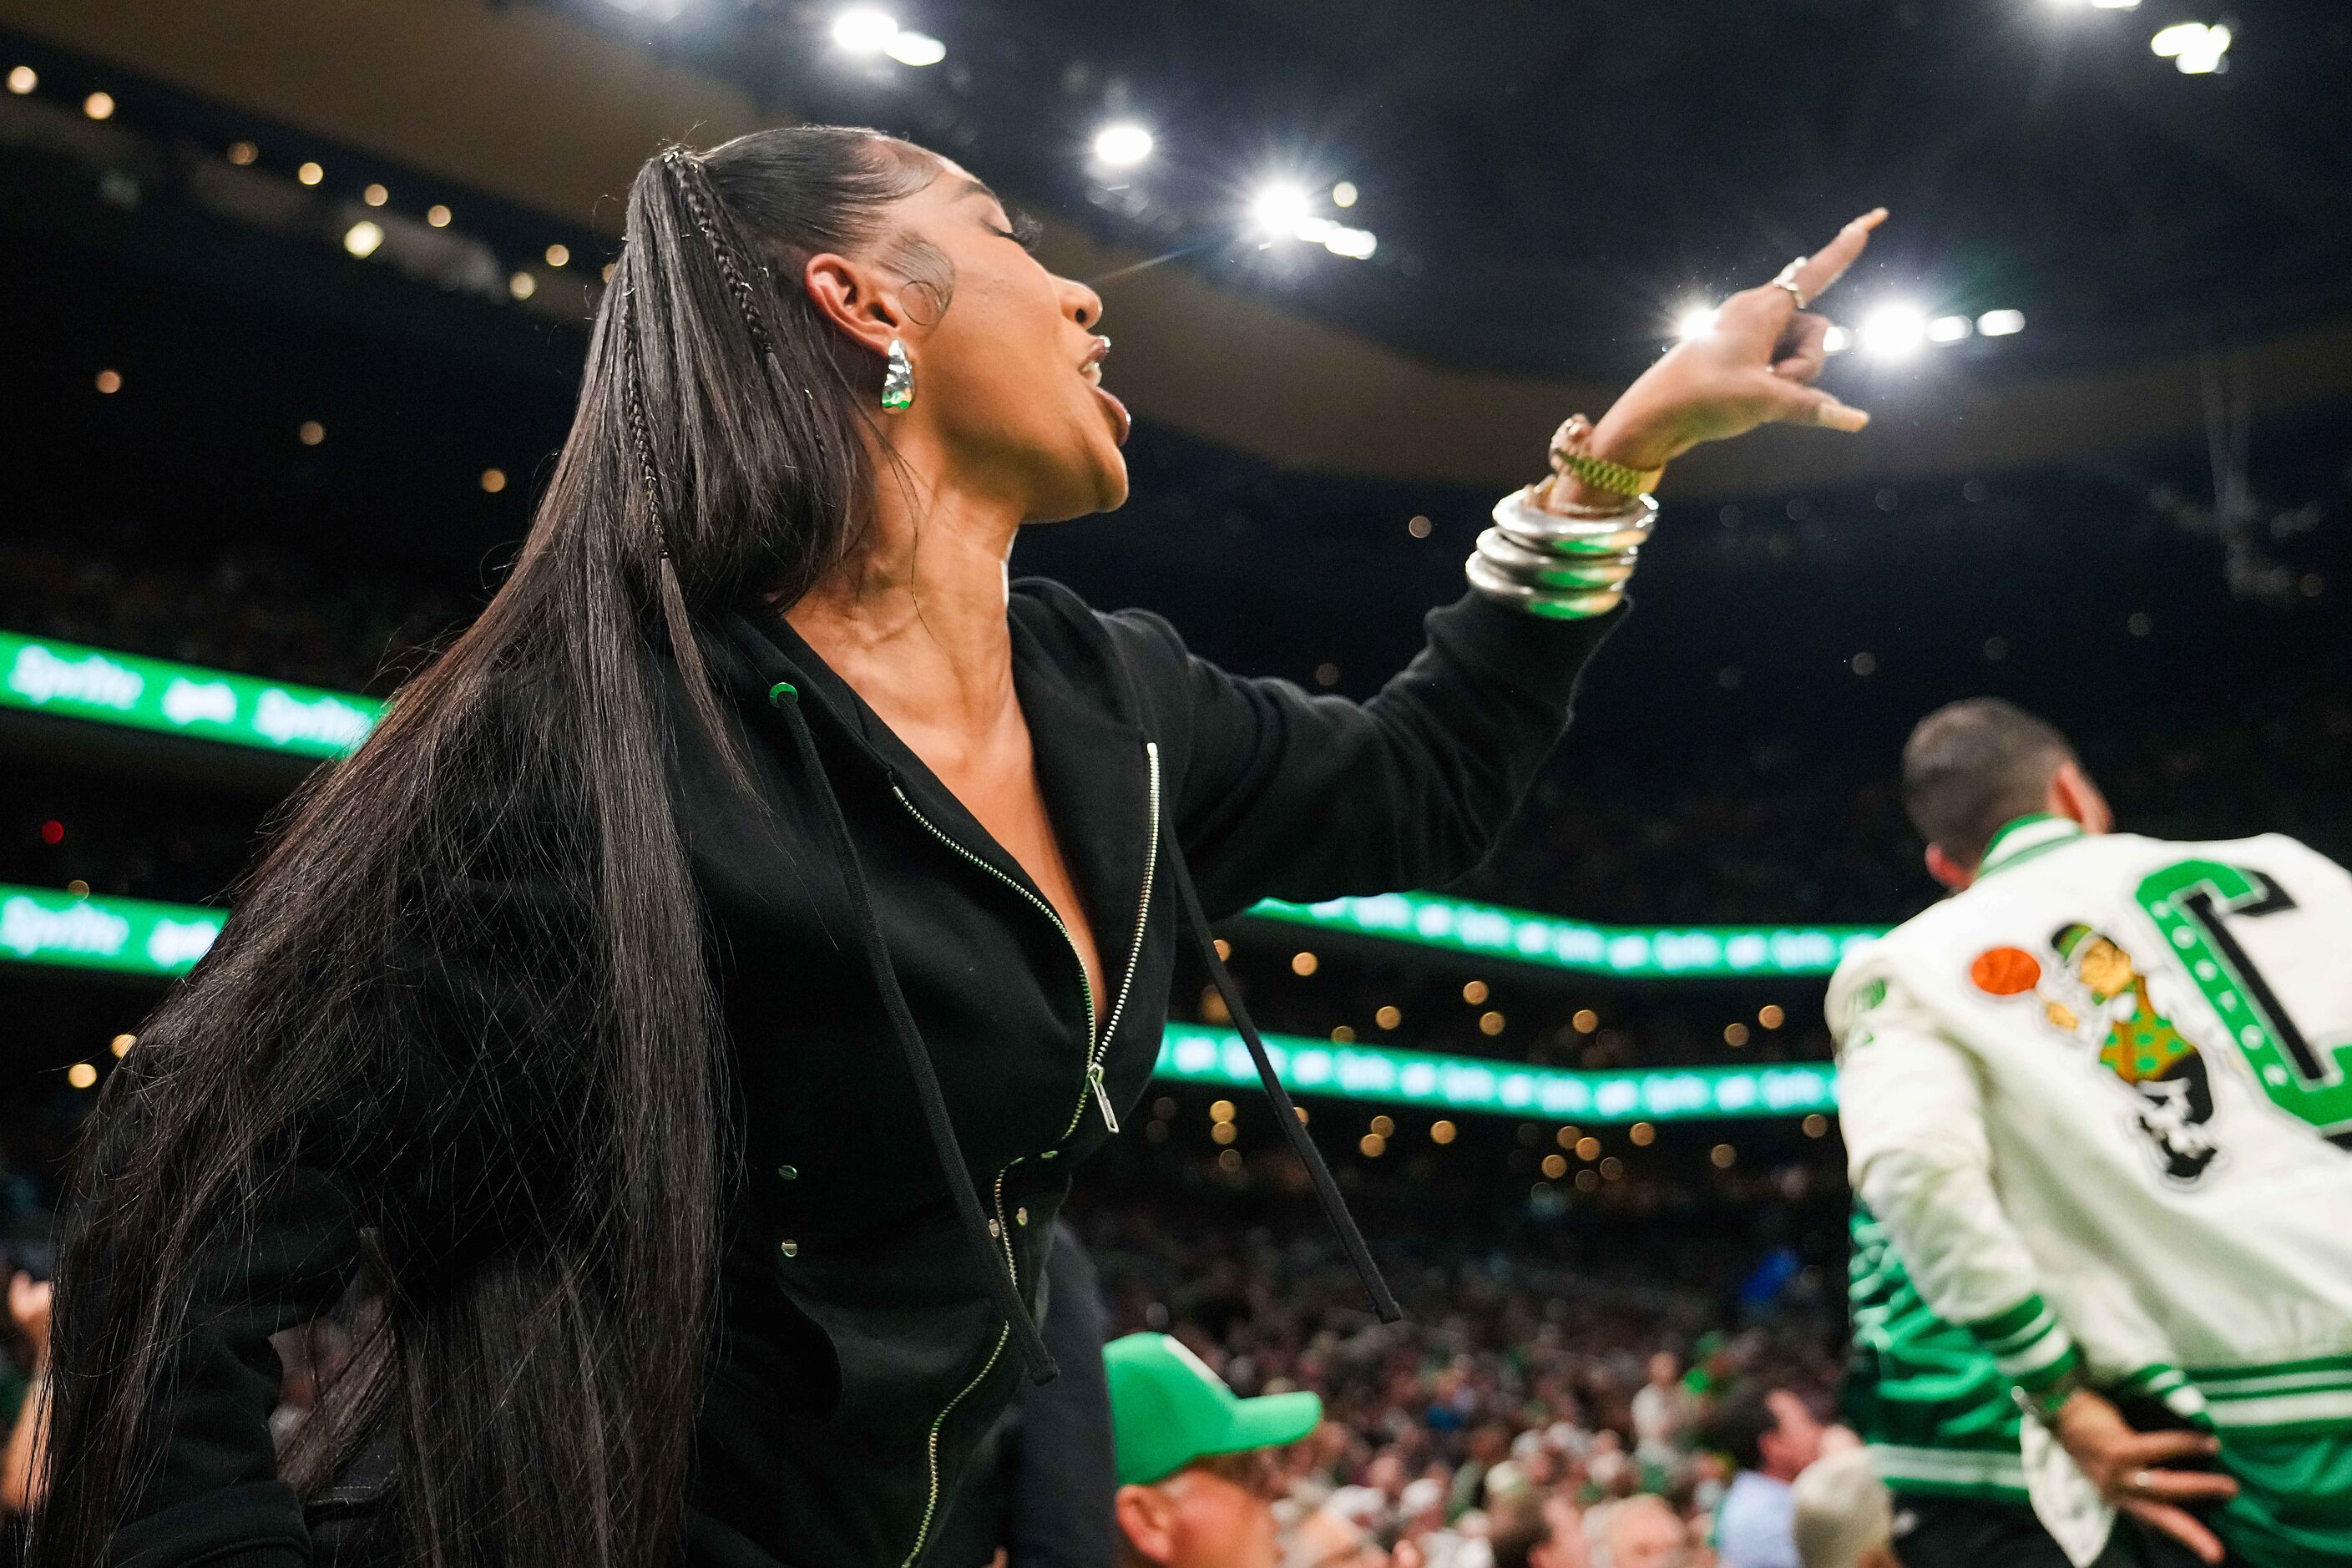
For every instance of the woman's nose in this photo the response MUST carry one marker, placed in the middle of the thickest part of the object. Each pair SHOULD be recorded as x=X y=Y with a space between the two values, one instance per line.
x=1084 y=305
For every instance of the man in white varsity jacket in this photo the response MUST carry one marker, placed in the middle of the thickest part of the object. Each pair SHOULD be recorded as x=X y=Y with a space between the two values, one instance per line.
x=2097 y=1099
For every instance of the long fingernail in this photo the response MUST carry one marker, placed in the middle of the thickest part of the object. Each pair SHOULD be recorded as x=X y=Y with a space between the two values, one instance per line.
x=1870 y=219
x=1838 y=417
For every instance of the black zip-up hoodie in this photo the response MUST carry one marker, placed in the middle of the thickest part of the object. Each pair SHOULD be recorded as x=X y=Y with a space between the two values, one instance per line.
x=870 y=934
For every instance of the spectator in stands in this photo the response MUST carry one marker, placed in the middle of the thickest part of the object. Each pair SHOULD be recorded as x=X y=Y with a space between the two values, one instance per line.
x=1196 y=1469
x=1638 y=1531
x=1771 y=1434
x=1845 y=1514
x=1329 y=1539
x=1549 y=1534
x=1662 y=1410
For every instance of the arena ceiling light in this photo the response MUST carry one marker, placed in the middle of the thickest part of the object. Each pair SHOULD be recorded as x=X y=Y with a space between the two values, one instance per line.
x=863 y=30
x=1694 y=322
x=1894 y=332
x=1278 y=210
x=913 y=48
x=1122 y=144
x=1949 y=329
x=1283 y=211
x=2000 y=324
x=2196 y=49
x=362 y=238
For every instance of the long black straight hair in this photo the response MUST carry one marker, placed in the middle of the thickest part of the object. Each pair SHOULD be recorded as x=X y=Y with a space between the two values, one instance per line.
x=473 y=953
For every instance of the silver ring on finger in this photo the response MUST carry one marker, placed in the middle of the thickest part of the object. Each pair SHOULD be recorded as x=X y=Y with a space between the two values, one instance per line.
x=2140 y=1480
x=1788 y=280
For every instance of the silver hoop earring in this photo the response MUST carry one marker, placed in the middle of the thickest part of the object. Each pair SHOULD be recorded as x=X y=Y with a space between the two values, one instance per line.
x=897 y=378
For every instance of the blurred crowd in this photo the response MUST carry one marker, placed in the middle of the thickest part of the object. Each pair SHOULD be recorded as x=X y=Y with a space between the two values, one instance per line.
x=248 y=610
x=1515 y=1404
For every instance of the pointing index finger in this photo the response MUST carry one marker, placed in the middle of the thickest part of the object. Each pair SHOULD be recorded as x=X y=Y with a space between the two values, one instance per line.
x=1827 y=265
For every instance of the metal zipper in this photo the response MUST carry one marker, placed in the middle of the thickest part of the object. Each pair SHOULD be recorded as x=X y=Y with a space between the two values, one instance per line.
x=931 y=1502
x=1098 y=1040
x=1097 y=1049
x=1004 y=1239
x=1084 y=984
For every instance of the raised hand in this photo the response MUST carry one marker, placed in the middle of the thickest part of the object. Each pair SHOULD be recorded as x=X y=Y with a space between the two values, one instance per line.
x=1754 y=367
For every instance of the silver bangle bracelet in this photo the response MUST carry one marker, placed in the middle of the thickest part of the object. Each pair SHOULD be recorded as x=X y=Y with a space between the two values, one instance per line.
x=1578 y=531
x=1565 y=564
x=1542 y=569
x=1548 y=604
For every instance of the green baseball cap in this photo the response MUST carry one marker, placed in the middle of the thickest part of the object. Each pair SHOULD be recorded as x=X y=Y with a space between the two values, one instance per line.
x=1167 y=1410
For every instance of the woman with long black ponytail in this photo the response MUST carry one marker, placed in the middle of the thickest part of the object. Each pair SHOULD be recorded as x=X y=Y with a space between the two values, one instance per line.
x=668 y=1040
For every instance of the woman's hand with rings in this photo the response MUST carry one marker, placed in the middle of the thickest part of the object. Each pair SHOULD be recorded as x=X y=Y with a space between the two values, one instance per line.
x=2126 y=1465
x=1754 y=367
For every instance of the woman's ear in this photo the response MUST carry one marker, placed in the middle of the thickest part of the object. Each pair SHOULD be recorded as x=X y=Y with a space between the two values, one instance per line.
x=861 y=301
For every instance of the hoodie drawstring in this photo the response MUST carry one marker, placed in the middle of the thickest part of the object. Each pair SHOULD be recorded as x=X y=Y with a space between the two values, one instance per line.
x=1335 y=1207
x=1036 y=1359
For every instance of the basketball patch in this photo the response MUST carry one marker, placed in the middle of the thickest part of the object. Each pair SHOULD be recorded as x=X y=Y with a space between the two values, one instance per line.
x=2005 y=970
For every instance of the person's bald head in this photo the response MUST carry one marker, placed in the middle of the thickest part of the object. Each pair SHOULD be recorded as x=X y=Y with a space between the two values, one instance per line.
x=1971 y=766
x=1638 y=1531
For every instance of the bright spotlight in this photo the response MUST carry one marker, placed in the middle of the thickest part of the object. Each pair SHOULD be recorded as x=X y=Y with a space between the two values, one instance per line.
x=1836 y=340
x=2196 y=49
x=912 y=49
x=1280 y=211
x=2000 y=324
x=361 y=238
x=1695 y=322
x=864 y=31
x=1122 y=145
x=1287 y=212
x=1894 y=331
x=2115 y=5
x=1343 y=194
x=1949 y=329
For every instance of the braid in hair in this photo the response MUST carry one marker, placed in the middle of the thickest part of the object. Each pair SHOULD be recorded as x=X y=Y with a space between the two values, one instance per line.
x=703 y=201
x=640 y=432
x=705 y=204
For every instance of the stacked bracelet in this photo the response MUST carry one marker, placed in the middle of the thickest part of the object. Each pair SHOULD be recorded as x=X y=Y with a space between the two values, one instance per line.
x=1562 y=563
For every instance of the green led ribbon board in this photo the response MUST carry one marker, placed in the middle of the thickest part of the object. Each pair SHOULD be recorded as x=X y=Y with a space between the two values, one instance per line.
x=1476 y=1085
x=135 y=936
x=1637 y=952
x=65 y=679
x=127 y=936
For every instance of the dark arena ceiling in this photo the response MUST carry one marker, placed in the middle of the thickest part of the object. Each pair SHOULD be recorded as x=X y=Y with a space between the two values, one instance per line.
x=1542 y=192
x=1550 y=183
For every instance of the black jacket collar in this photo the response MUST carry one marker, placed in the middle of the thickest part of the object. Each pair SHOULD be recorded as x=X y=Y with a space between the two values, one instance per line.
x=1082 y=732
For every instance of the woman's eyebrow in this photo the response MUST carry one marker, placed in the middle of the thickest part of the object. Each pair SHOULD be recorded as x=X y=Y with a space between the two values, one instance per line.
x=972 y=187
